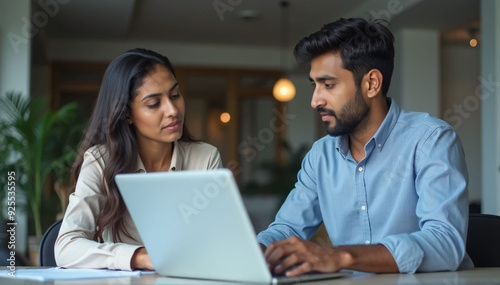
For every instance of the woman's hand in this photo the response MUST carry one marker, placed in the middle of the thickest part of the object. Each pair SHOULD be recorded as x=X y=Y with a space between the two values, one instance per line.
x=141 y=260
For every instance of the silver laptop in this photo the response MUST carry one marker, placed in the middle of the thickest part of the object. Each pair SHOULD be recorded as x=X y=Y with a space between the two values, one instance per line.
x=194 y=225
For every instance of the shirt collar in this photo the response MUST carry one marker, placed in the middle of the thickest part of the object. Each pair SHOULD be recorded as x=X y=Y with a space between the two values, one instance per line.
x=383 y=132
x=174 y=164
x=387 y=125
x=342 y=145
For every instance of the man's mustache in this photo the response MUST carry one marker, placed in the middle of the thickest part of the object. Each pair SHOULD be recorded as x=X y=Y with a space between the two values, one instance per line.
x=328 y=111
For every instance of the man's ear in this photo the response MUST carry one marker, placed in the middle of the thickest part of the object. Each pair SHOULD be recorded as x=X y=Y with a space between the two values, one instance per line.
x=374 y=80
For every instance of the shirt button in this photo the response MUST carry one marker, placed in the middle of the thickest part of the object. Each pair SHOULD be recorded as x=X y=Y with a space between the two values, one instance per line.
x=360 y=169
x=379 y=145
x=363 y=208
x=367 y=242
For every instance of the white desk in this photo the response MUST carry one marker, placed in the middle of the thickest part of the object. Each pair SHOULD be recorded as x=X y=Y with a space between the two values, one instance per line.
x=471 y=276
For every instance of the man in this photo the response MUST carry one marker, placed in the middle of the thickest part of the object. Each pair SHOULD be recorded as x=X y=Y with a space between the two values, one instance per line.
x=389 y=185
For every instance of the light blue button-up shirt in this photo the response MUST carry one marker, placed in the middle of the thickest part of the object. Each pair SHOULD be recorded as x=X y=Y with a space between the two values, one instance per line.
x=409 y=193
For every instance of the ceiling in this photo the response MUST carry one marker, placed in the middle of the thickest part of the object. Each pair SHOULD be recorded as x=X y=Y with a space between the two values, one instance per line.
x=221 y=21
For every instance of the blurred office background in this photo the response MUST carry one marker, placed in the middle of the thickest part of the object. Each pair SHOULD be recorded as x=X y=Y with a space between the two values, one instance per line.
x=229 y=53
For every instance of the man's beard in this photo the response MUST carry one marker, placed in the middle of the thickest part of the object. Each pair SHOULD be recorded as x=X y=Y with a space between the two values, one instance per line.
x=352 y=113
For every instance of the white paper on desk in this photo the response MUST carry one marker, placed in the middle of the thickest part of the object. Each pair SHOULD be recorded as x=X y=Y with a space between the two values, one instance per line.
x=58 y=273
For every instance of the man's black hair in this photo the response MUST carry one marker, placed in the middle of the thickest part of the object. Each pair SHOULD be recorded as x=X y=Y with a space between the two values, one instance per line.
x=363 y=46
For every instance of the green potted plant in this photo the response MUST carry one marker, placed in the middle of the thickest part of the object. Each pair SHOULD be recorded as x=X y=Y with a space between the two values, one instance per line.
x=264 y=199
x=282 y=176
x=35 y=138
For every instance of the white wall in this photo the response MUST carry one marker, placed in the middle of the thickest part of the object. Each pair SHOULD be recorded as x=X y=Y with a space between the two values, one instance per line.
x=490 y=105
x=15 y=43
x=460 y=107
x=416 y=74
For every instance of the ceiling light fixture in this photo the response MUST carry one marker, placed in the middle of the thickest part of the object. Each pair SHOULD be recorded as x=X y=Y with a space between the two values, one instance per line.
x=283 y=89
x=225 y=117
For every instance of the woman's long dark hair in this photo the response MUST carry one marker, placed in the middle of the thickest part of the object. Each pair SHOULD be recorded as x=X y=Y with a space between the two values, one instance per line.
x=108 y=127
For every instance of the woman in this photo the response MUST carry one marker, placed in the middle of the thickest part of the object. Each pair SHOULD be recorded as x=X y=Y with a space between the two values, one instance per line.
x=137 y=126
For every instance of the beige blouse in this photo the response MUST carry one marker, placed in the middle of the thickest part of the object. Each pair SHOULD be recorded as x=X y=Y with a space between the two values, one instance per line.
x=75 y=247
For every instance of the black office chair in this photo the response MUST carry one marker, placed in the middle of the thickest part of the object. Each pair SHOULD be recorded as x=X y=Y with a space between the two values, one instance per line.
x=483 y=240
x=46 y=254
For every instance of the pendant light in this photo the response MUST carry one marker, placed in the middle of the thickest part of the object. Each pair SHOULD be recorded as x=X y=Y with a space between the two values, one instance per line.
x=283 y=89
x=473 y=37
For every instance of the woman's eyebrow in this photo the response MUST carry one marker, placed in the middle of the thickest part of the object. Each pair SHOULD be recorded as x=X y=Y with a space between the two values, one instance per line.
x=151 y=95
x=159 y=94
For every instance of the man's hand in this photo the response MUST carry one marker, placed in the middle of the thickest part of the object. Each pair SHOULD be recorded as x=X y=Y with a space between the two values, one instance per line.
x=262 y=247
x=283 y=254
x=141 y=260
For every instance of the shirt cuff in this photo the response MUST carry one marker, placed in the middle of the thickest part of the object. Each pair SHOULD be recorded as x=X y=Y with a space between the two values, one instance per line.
x=405 y=251
x=265 y=238
x=123 y=257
